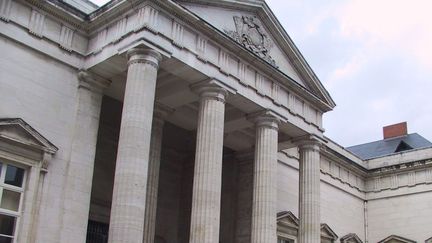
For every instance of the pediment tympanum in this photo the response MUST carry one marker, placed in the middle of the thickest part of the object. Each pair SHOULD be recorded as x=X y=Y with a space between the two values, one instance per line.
x=351 y=238
x=327 y=234
x=18 y=137
x=252 y=25
x=396 y=239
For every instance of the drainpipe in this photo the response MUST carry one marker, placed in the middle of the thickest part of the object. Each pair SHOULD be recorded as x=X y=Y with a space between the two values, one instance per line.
x=366 y=220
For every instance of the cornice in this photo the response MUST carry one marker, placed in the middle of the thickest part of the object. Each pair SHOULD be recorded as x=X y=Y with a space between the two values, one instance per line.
x=399 y=168
x=62 y=12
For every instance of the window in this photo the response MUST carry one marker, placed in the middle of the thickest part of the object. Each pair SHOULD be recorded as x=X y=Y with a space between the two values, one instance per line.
x=11 y=190
x=285 y=240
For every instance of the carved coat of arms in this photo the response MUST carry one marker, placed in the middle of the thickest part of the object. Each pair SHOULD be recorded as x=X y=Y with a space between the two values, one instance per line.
x=250 y=33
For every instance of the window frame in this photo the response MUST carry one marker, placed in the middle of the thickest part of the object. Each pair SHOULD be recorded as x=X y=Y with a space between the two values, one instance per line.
x=16 y=214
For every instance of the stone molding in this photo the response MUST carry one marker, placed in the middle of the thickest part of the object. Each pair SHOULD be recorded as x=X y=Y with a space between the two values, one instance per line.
x=280 y=95
x=266 y=118
x=328 y=233
x=5 y=7
x=287 y=224
x=351 y=238
x=396 y=238
x=405 y=175
x=309 y=141
x=160 y=113
x=212 y=89
x=145 y=56
x=152 y=15
x=88 y=81
x=13 y=129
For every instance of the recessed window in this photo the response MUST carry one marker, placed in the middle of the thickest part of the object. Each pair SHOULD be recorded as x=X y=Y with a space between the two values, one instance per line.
x=11 y=190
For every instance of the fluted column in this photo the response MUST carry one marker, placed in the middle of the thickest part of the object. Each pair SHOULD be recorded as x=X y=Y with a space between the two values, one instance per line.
x=264 y=185
x=130 y=182
x=159 y=116
x=309 y=198
x=207 y=183
x=79 y=170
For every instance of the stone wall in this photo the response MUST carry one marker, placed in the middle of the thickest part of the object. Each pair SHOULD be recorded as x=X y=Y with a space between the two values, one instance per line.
x=408 y=216
x=42 y=92
x=342 y=206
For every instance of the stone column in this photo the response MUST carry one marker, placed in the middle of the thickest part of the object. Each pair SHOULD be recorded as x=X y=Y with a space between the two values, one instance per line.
x=264 y=185
x=79 y=170
x=206 y=195
x=309 y=193
x=153 y=172
x=130 y=182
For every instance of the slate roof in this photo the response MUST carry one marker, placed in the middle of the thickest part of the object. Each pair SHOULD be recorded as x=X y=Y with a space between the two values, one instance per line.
x=389 y=146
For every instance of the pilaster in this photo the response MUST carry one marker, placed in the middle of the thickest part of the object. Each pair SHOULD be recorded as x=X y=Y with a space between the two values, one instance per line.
x=79 y=170
x=159 y=115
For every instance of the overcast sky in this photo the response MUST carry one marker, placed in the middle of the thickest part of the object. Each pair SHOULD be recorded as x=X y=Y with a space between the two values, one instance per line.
x=373 y=56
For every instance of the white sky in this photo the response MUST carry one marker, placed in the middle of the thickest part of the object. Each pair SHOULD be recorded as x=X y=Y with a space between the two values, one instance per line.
x=373 y=56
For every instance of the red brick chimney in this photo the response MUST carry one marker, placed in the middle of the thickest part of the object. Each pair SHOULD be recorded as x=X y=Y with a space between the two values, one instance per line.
x=395 y=130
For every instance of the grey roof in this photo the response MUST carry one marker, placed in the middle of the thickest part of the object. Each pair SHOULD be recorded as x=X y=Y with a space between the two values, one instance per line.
x=389 y=146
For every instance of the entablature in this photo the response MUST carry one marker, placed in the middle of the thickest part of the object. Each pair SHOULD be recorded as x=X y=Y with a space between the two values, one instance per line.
x=87 y=36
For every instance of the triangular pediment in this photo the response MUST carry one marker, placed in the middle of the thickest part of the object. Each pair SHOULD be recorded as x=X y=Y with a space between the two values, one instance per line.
x=17 y=131
x=287 y=218
x=351 y=238
x=396 y=239
x=251 y=24
x=327 y=232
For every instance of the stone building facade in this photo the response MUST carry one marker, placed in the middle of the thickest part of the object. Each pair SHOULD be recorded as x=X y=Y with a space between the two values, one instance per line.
x=183 y=121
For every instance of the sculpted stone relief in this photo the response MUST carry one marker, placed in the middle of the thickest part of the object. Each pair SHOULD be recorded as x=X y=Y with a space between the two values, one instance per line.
x=251 y=34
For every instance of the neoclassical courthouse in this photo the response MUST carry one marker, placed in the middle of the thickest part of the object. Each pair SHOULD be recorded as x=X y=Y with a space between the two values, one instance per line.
x=176 y=121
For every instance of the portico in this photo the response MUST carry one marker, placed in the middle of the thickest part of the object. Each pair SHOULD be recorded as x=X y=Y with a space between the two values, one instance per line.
x=217 y=109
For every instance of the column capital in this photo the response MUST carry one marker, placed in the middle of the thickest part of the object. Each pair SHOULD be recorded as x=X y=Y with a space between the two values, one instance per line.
x=213 y=89
x=266 y=118
x=160 y=113
x=309 y=142
x=144 y=55
x=89 y=81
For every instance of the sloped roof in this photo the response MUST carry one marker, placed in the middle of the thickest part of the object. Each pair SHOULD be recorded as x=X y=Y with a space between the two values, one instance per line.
x=389 y=146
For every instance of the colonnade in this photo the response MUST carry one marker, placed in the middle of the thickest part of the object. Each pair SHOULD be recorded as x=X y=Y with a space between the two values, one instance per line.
x=133 y=210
